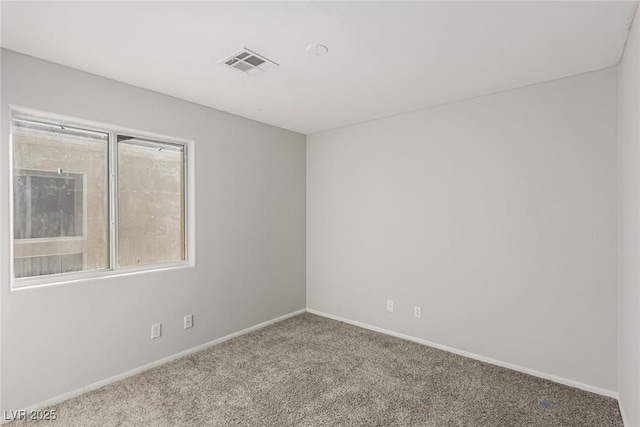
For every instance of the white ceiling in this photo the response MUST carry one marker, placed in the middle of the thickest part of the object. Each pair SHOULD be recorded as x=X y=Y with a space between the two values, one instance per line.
x=384 y=57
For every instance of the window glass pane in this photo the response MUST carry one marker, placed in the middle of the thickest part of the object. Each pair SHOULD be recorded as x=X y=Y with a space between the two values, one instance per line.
x=48 y=264
x=60 y=199
x=150 y=202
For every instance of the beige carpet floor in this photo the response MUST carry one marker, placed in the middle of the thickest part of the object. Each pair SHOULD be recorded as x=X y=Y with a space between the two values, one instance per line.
x=312 y=371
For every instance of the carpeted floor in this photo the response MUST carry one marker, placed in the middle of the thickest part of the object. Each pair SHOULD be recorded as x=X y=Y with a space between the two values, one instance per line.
x=312 y=371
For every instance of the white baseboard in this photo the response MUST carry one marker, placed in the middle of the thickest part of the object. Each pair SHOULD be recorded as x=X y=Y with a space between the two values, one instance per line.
x=550 y=377
x=110 y=380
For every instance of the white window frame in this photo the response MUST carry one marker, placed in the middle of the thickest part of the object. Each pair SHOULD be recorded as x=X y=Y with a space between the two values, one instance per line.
x=114 y=270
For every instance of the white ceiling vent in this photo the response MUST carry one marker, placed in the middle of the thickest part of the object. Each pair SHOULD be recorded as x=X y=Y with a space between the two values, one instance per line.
x=248 y=62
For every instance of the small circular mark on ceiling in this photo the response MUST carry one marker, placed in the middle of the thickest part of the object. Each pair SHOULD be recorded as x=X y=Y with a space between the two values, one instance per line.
x=317 y=49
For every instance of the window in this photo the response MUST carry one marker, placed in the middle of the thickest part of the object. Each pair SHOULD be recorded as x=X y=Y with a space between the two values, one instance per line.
x=150 y=201
x=89 y=200
x=54 y=212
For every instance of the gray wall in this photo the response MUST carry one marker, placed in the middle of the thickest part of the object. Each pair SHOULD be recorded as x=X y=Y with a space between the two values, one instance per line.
x=250 y=210
x=496 y=215
x=629 y=230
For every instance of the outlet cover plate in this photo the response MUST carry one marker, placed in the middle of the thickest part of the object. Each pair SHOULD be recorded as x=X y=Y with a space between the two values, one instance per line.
x=156 y=330
x=188 y=321
x=390 y=306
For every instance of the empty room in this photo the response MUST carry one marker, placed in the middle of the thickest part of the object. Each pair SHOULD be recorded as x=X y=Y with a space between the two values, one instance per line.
x=320 y=213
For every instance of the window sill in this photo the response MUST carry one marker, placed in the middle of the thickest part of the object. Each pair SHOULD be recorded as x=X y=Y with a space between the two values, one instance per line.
x=80 y=277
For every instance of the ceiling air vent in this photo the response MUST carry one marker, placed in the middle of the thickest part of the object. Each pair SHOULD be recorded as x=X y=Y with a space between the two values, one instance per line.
x=248 y=62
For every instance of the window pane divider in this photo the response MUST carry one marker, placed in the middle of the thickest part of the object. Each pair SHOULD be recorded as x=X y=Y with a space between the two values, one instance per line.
x=113 y=201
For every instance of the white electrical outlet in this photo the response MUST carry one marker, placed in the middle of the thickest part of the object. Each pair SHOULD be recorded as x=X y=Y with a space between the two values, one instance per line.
x=417 y=312
x=390 y=306
x=156 y=330
x=188 y=321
